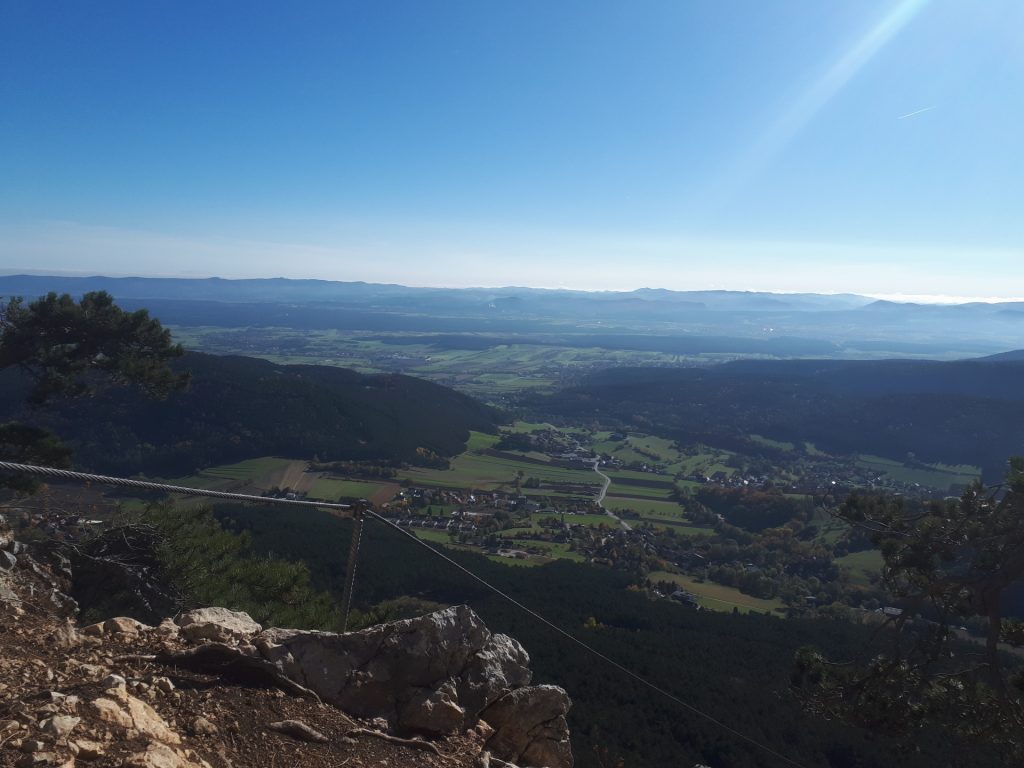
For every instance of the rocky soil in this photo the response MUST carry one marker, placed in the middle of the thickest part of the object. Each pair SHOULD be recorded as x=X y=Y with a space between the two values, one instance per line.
x=212 y=689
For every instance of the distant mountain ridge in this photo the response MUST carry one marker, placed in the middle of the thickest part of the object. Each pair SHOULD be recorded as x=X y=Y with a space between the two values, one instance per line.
x=287 y=289
x=790 y=324
x=1013 y=356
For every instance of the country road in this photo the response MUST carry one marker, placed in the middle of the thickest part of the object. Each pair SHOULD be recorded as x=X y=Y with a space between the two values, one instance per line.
x=600 y=498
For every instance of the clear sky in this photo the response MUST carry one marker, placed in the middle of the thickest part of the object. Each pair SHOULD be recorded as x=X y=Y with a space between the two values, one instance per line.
x=872 y=146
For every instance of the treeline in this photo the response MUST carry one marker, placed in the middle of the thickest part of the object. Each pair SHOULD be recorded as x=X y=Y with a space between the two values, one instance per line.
x=753 y=510
x=953 y=413
x=239 y=407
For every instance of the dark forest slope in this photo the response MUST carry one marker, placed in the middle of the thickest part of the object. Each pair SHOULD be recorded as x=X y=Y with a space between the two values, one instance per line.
x=240 y=407
x=964 y=412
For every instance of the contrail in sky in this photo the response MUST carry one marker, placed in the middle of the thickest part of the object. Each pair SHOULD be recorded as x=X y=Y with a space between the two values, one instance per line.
x=918 y=112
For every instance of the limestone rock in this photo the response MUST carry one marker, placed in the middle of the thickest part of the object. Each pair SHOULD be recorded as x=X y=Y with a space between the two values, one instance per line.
x=203 y=727
x=530 y=727
x=109 y=711
x=433 y=674
x=66 y=636
x=149 y=723
x=33 y=759
x=92 y=630
x=501 y=665
x=113 y=681
x=7 y=560
x=59 y=726
x=123 y=625
x=218 y=624
x=134 y=714
x=433 y=711
x=87 y=749
x=162 y=756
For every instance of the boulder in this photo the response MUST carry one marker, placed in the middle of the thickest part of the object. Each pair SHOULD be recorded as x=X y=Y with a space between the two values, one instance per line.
x=530 y=728
x=59 y=726
x=124 y=710
x=218 y=624
x=123 y=625
x=431 y=674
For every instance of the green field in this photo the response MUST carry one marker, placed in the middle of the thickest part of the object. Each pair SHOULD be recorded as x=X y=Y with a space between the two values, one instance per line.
x=716 y=597
x=646 y=507
x=861 y=565
x=939 y=476
x=489 y=473
x=768 y=442
x=640 y=449
x=430 y=534
x=244 y=471
x=479 y=441
x=707 y=462
x=331 y=489
x=640 y=492
x=233 y=475
x=681 y=530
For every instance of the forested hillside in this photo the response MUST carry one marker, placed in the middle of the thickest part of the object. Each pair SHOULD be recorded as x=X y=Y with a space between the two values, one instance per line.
x=734 y=667
x=238 y=407
x=964 y=412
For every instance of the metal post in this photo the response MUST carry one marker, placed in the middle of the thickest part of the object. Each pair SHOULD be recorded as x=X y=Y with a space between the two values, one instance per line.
x=350 y=566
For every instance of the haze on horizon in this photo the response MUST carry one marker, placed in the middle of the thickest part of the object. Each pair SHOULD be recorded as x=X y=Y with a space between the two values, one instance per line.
x=867 y=147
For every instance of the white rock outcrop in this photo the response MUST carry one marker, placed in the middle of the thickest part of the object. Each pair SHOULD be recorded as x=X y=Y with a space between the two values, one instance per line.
x=434 y=674
x=217 y=624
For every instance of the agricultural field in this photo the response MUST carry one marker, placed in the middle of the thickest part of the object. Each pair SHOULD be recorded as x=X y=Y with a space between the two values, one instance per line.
x=250 y=476
x=707 y=461
x=257 y=476
x=479 y=441
x=646 y=508
x=861 y=566
x=716 y=597
x=769 y=443
x=939 y=476
x=334 y=489
x=486 y=367
x=655 y=487
x=478 y=471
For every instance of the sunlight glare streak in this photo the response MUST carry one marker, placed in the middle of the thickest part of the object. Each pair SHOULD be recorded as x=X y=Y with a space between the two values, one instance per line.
x=773 y=141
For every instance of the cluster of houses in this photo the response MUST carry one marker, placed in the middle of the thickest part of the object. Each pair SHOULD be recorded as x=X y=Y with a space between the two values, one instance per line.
x=816 y=478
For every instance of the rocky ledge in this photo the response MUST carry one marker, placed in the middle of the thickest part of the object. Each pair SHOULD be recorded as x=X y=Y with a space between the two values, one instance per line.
x=211 y=688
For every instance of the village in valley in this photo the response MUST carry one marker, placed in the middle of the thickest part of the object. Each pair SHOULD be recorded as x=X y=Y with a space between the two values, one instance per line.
x=710 y=528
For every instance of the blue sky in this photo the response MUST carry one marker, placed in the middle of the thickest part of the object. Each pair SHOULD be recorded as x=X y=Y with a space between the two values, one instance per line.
x=870 y=146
